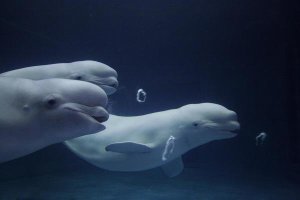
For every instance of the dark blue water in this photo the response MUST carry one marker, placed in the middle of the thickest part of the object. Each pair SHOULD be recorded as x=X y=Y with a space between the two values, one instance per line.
x=240 y=54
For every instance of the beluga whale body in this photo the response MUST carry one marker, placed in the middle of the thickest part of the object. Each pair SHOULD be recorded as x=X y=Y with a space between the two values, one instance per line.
x=88 y=70
x=155 y=140
x=35 y=114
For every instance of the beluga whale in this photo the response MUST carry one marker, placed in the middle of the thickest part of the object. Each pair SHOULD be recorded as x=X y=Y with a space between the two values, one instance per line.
x=35 y=114
x=88 y=70
x=155 y=140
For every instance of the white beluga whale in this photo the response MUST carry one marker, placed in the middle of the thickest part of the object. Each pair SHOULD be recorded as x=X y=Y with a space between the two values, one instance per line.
x=35 y=114
x=155 y=140
x=90 y=71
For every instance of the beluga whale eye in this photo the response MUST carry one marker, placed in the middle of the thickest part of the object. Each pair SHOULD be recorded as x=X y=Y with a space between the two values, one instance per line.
x=76 y=76
x=115 y=85
x=195 y=124
x=51 y=101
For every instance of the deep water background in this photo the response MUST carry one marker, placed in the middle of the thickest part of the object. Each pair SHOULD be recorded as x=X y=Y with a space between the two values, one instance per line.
x=240 y=54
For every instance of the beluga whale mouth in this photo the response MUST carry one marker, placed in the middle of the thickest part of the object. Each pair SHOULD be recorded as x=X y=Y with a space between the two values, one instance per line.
x=231 y=131
x=100 y=119
x=97 y=113
x=224 y=124
x=109 y=85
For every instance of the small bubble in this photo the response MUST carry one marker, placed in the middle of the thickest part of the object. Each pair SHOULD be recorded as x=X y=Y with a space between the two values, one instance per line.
x=141 y=96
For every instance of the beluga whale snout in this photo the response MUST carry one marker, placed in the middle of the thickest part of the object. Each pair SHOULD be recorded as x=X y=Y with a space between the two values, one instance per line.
x=36 y=114
x=98 y=113
x=97 y=73
x=90 y=71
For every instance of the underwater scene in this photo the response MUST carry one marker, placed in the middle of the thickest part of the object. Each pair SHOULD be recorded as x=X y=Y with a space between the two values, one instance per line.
x=151 y=100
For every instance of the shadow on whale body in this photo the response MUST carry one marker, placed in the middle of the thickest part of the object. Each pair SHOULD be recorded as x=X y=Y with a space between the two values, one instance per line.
x=157 y=139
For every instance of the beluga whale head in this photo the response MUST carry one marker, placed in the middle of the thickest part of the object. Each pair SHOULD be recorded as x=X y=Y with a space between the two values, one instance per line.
x=90 y=71
x=96 y=73
x=206 y=122
x=36 y=114
x=69 y=107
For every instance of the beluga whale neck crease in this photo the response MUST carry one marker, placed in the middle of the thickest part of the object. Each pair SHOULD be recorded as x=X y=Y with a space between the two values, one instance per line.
x=155 y=140
x=35 y=114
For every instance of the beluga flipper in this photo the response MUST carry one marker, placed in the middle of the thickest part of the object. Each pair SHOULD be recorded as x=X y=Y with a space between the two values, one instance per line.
x=128 y=147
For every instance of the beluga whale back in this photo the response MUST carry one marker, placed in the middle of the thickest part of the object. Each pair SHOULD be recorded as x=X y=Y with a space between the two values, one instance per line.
x=155 y=140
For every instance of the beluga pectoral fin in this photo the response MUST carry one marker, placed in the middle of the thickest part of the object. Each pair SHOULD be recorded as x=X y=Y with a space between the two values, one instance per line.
x=128 y=147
